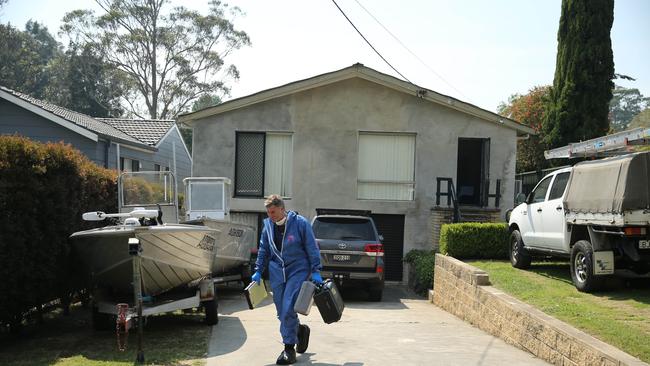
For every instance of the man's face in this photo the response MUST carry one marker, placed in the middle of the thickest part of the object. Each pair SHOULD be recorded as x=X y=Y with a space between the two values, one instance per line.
x=275 y=213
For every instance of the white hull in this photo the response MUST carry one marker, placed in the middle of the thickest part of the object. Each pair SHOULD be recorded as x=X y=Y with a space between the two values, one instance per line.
x=172 y=255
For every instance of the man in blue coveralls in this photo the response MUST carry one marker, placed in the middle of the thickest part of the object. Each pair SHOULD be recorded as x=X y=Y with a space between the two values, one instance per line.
x=288 y=248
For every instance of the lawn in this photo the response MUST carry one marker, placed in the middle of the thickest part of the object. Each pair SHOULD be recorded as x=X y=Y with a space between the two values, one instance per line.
x=619 y=316
x=175 y=339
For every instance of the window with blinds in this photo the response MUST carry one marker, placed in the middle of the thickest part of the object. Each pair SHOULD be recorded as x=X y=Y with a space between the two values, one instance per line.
x=386 y=166
x=263 y=164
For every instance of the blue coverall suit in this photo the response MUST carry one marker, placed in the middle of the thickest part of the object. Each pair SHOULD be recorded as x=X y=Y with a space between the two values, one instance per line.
x=289 y=267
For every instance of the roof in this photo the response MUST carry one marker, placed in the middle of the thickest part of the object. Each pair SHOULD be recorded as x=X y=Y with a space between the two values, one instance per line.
x=149 y=131
x=363 y=72
x=78 y=122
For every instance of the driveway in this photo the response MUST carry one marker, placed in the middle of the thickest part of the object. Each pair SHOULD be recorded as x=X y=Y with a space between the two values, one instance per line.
x=403 y=329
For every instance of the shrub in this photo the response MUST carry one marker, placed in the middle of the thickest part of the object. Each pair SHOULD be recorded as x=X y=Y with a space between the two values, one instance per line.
x=44 y=188
x=475 y=240
x=422 y=266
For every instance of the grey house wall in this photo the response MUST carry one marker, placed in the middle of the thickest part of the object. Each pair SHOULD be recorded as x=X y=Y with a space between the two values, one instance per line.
x=17 y=120
x=165 y=156
x=326 y=122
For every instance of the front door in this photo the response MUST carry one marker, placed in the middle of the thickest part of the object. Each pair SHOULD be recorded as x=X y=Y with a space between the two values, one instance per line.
x=472 y=173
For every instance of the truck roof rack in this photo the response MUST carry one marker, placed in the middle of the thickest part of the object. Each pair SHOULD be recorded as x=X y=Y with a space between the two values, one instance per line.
x=341 y=211
x=614 y=144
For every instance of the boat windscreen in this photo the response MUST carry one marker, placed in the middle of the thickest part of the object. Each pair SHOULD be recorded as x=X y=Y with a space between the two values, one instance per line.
x=206 y=196
x=147 y=188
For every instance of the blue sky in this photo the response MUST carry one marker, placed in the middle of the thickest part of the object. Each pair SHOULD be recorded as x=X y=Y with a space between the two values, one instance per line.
x=480 y=51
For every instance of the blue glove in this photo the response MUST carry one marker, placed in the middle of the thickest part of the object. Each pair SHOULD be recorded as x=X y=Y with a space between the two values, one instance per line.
x=316 y=278
x=257 y=277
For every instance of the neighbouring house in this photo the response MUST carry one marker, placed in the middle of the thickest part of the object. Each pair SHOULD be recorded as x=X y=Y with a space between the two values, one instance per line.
x=137 y=145
x=360 y=139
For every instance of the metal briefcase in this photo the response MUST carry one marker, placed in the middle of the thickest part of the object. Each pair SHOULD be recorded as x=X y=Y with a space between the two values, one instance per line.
x=305 y=298
x=329 y=302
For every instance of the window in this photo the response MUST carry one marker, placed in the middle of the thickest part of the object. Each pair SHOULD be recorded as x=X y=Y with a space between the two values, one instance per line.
x=156 y=167
x=263 y=164
x=386 y=166
x=539 y=194
x=337 y=228
x=559 y=184
x=129 y=165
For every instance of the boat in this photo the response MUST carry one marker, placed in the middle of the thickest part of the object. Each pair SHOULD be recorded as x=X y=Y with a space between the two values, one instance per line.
x=207 y=204
x=172 y=254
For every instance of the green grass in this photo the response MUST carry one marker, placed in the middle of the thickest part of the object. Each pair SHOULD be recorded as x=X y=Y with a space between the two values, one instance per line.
x=176 y=339
x=619 y=316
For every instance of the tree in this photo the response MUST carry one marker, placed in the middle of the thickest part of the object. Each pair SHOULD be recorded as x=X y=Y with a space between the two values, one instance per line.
x=205 y=101
x=582 y=87
x=625 y=104
x=170 y=58
x=24 y=57
x=641 y=120
x=529 y=109
x=81 y=81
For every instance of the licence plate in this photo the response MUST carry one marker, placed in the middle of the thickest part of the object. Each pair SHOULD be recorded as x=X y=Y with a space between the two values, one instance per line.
x=341 y=257
x=644 y=244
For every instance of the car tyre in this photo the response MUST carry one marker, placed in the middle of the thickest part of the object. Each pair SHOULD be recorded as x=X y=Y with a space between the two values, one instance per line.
x=375 y=294
x=519 y=257
x=582 y=271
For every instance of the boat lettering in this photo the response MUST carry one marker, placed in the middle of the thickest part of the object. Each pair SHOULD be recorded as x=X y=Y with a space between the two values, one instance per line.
x=207 y=243
x=236 y=232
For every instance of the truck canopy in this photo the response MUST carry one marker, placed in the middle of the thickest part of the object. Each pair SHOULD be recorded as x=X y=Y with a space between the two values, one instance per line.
x=611 y=185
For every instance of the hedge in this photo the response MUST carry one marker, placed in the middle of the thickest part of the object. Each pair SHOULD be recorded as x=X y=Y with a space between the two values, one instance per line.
x=44 y=189
x=421 y=274
x=475 y=240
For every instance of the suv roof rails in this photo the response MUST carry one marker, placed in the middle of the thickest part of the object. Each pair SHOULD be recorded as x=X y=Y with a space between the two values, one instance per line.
x=342 y=211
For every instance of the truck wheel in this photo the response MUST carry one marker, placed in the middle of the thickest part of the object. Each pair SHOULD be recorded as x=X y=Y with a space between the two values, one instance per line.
x=519 y=257
x=582 y=271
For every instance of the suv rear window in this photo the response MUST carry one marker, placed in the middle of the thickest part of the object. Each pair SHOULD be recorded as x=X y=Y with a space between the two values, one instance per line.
x=337 y=228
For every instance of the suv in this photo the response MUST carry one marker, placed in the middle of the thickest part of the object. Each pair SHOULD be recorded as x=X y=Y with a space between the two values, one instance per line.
x=351 y=249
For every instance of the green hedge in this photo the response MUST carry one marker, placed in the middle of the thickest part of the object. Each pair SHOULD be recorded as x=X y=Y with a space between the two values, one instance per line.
x=44 y=189
x=422 y=264
x=475 y=240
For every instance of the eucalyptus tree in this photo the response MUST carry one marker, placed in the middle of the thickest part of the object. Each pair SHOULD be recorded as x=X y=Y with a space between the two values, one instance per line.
x=170 y=56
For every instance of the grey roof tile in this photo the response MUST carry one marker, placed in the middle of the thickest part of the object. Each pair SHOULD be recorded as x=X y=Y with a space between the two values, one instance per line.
x=149 y=131
x=80 y=119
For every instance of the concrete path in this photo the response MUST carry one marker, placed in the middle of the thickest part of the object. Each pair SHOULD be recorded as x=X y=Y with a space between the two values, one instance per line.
x=401 y=330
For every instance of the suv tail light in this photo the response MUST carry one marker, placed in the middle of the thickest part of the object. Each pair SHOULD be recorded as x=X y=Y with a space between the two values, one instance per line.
x=374 y=249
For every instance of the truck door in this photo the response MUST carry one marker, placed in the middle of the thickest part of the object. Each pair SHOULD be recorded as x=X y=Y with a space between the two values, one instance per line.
x=534 y=208
x=553 y=223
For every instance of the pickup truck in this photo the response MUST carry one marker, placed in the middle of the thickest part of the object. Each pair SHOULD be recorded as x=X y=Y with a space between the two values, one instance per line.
x=597 y=213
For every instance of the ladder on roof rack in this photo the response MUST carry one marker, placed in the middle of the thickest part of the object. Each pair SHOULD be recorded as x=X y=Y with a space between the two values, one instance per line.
x=613 y=144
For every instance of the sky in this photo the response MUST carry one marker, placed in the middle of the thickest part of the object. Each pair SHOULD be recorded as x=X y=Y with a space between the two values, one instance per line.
x=477 y=51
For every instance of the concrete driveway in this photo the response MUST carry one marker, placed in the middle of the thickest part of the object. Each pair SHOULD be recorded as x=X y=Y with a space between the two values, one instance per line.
x=403 y=329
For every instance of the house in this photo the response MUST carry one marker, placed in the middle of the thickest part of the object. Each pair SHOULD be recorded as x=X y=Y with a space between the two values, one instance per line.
x=138 y=145
x=359 y=139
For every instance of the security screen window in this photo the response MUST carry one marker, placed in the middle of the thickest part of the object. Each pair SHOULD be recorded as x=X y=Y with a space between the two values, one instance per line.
x=263 y=164
x=386 y=166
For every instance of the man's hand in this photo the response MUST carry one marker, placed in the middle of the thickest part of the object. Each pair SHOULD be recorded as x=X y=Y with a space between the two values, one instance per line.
x=316 y=278
x=257 y=277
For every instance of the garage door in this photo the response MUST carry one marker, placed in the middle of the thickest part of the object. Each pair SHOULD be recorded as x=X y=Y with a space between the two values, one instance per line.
x=391 y=227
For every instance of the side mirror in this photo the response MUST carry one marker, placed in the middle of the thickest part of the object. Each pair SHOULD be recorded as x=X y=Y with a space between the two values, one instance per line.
x=520 y=198
x=381 y=238
x=93 y=216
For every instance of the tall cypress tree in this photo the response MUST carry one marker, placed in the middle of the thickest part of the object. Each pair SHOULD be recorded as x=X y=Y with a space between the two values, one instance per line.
x=582 y=88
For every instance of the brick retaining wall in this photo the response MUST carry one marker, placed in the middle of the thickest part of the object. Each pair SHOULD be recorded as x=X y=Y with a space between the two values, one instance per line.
x=465 y=291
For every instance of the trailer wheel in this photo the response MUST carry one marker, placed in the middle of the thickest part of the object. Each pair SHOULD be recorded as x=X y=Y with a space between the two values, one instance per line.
x=519 y=257
x=582 y=271
x=211 y=308
x=101 y=321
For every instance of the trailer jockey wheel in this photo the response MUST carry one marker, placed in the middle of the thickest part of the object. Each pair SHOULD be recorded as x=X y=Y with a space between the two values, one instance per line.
x=211 y=308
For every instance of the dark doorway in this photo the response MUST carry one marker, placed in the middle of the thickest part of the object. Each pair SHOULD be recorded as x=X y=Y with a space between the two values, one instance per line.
x=391 y=227
x=473 y=163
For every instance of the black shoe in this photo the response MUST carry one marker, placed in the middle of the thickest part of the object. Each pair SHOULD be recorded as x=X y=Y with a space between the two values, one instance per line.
x=303 y=338
x=287 y=357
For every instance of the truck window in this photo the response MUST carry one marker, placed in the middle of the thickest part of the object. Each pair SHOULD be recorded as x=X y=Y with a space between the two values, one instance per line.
x=559 y=184
x=539 y=194
x=343 y=229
